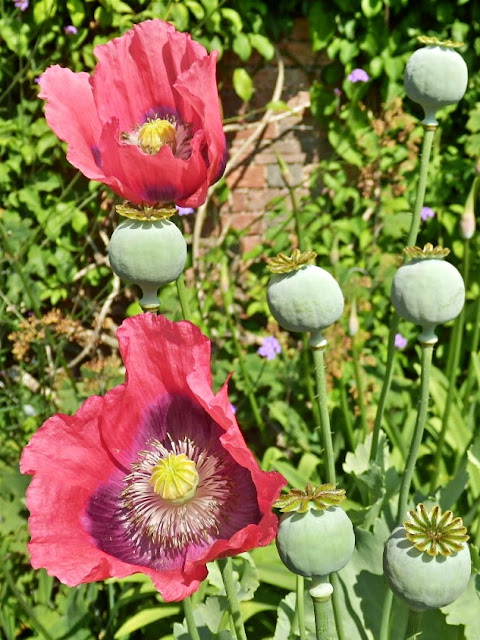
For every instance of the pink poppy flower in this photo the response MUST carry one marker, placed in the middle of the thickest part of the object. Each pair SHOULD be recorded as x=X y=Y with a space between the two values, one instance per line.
x=152 y=478
x=147 y=123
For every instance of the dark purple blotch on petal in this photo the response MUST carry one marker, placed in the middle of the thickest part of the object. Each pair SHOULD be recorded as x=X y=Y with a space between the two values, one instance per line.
x=172 y=419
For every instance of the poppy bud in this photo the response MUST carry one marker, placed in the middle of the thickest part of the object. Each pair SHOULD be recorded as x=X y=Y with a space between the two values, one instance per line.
x=427 y=290
x=315 y=536
x=302 y=296
x=426 y=561
x=435 y=76
x=148 y=253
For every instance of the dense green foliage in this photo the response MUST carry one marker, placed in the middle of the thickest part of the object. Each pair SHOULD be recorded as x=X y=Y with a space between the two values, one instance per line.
x=57 y=336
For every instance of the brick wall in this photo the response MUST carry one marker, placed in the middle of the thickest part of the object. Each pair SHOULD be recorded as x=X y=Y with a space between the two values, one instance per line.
x=256 y=177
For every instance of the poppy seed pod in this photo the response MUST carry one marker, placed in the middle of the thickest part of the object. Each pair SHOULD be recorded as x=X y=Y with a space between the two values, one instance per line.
x=426 y=561
x=428 y=291
x=315 y=536
x=435 y=76
x=148 y=254
x=302 y=296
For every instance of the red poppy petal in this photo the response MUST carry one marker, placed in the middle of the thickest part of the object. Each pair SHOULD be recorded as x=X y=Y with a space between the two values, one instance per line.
x=66 y=472
x=136 y=72
x=198 y=88
x=157 y=352
x=150 y=179
x=72 y=458
x=71 y=112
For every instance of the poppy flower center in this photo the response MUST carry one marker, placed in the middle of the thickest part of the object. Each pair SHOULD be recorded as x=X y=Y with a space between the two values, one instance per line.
x=154 y=134
x=175 y=478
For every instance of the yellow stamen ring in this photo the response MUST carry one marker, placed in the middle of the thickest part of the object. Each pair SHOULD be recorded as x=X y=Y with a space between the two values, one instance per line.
x=154 y=134
x=175 y=478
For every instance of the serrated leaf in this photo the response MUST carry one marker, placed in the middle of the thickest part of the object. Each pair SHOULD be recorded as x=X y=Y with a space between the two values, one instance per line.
x=287 y=626
x=245 y=575
x=466 y=610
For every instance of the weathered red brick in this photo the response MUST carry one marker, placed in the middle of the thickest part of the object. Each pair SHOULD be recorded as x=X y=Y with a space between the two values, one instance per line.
x=247 y=176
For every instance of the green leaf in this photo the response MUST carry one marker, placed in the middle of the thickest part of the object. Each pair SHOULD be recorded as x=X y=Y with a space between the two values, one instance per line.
x=271 y=569
x=245 y=576
x=242 y=47
x=76 y=9
x=322 y=26
x=262 y=44
x=179 y=16
x=145 y=617
x=233 y=17
x=79 y=221
x=117 y=6
x=287 y=626
x=466 y=610
x=44 y=10
x=196 y=8
x=243 y=84
x=371 y=8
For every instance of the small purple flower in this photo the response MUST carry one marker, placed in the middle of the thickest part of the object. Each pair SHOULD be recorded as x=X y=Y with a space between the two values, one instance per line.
x=358 y=75
x=70 y=30
x=270 y=348
x=400 y=341
x=233 y=408
x=426 y=213
x=21 y=4
x=185 y=211
x=337 y=91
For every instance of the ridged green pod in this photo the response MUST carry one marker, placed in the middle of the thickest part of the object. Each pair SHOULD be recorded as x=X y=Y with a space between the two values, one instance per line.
x=307 y=299
x=435 y=76
x=428 y=292
x=317 y=542
x=149 y=254
x=424 y=581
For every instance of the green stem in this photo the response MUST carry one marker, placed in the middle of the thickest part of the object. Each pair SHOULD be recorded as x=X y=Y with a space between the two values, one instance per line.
x=414 y=623
x=395 y=320
x=426 y=365
x=347 y=417
x=337 y=606
x=300 y=607
x=324 y=624
x=387 y=381
x=329 y=463
x=422 y=183
x=232 y=327
x=455 y=348
x=359 y=385
x=385 y=622
x=322 y=399
x=191 y=626
x=307 y=377
x=473 y=348
x=232 y=597
x=182 y=296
